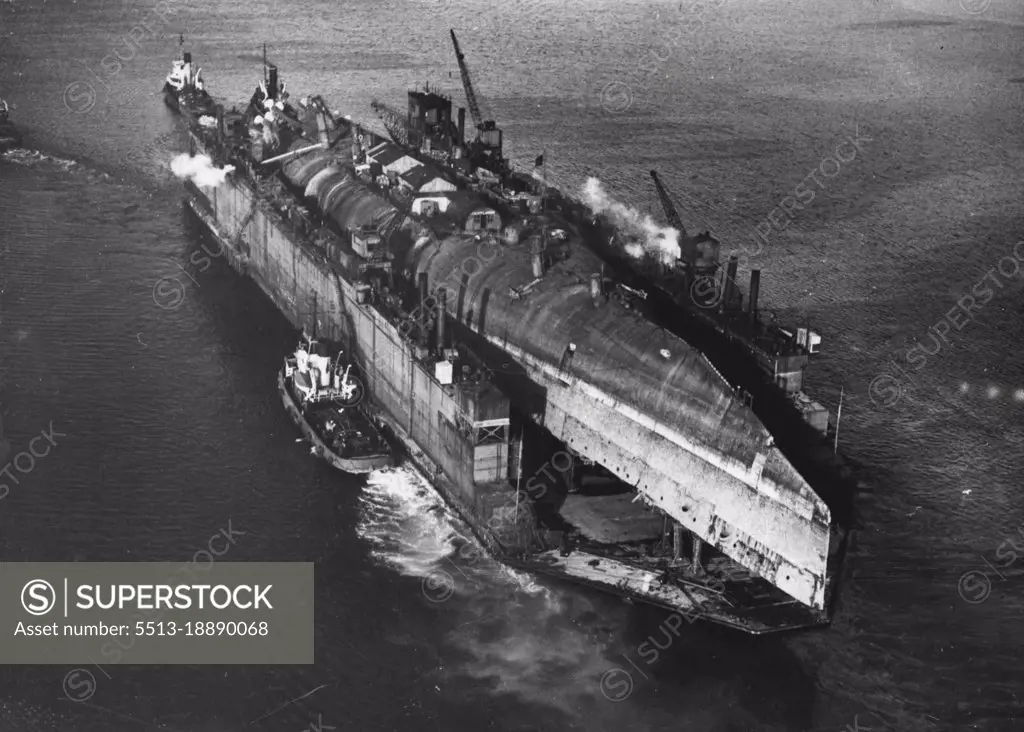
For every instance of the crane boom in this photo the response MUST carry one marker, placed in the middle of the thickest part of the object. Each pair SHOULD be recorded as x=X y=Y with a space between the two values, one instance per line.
x=318 y=103
x=467 y=85
x=670 y=210
x=395 y=124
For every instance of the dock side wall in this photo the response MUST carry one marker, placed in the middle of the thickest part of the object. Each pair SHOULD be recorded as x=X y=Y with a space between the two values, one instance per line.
x=790 y=548
x=306 y=287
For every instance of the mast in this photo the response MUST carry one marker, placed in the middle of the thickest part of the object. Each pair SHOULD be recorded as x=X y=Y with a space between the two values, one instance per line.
x=265 y=81
x=839 y=413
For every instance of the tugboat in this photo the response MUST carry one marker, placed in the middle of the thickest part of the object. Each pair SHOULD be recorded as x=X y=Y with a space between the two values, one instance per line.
x=10 y=137
x=324 y=398
x=184 y=89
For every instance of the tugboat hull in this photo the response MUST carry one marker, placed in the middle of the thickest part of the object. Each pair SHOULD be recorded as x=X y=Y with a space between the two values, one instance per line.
x=354 y=465
x=171 y=97
x=191 y=105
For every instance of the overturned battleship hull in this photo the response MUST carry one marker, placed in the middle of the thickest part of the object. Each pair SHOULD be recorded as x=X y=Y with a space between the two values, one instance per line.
x=573 y=436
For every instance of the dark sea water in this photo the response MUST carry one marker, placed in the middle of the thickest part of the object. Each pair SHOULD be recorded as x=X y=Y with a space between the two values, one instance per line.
x=173 y=430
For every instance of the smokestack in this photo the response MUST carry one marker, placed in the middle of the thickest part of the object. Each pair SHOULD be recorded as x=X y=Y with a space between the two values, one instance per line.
x=730 y=282
x=187 y=57
x=755 y=286
x=462 y=125
x=424 y=294
x=272 y=84
x=595 y=288
x=442 y=295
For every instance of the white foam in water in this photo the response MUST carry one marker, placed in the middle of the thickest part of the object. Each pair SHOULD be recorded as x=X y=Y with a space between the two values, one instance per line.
x=516 y=635
x=412 y=530
x=405 y=521
x=28 y=158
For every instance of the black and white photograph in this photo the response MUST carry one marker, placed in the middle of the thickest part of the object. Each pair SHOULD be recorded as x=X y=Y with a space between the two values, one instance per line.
x=526 y=366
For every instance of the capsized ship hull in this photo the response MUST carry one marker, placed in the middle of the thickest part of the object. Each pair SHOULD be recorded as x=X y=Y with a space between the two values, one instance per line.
x=542 y=354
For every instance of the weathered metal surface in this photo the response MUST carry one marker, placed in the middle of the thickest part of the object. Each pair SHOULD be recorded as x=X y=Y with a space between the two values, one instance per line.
x=338 y=194
x=681 y=436
x=286 y=272
x=669 y=425
x=629 y=395
x=689 y=604
x=302 y=170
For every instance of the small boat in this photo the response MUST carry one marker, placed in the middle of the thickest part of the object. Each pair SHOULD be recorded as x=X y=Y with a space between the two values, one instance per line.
x=184 y=89
x=325 y=399
x=10 y=137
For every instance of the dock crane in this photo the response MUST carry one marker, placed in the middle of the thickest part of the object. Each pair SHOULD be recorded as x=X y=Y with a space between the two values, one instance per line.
x=486 y=149
x=404 y=134
x=686 y=253
x=670 y=210
x=396 y=125
x=467 y=84
x=699 y=259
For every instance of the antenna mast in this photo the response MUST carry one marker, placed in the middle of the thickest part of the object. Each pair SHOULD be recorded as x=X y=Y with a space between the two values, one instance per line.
x=839 y=413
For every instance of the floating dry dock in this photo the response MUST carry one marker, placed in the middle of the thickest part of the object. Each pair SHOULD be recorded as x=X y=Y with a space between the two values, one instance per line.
x=504 y=351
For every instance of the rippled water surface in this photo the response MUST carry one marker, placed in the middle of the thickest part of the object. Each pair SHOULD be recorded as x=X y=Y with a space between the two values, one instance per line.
x=174 y=430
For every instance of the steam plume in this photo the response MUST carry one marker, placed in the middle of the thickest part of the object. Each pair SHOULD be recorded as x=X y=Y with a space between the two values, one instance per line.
x=657 y=240
x=200 y=170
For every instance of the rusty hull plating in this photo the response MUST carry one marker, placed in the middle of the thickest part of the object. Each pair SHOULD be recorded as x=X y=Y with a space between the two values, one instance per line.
x=672 y=427
x=537 y=322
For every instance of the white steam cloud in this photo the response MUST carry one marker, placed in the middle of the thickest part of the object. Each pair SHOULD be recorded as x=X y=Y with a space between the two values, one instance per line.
x=200 y=170
x=659 y=241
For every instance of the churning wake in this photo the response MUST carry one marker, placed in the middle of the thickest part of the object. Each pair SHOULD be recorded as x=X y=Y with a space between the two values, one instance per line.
x=514 y=634
x=404 y=521
x=30 y=158
x=656 y=240
x=200 y=170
